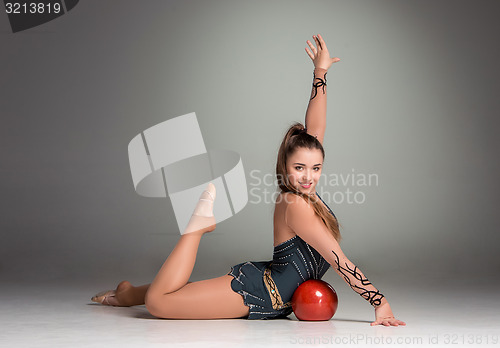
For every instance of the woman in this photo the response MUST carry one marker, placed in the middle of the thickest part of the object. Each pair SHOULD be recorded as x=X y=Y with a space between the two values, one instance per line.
x=306 y=236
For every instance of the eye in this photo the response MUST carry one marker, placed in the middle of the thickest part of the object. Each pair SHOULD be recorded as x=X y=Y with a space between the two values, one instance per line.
x=298 y=168
x=316 y=168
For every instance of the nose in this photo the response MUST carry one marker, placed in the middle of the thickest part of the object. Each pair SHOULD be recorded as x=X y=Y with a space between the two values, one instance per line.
x=306 y=176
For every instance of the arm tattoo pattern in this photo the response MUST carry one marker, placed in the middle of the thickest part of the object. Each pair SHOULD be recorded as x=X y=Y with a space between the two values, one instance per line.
x=373 y=296
x=317 y=84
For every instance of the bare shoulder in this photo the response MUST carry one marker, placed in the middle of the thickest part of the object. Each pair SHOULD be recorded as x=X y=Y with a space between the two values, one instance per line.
x=296 y=204
x=301 y=217
x=288 y=198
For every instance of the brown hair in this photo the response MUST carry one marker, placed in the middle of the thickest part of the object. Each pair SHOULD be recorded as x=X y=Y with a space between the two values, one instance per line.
x=296 y=137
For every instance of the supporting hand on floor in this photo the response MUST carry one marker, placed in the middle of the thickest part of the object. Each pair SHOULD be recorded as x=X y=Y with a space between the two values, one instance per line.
x=384 y=316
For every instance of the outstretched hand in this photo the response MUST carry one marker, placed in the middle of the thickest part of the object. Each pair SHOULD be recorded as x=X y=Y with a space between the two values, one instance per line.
x=320 y=55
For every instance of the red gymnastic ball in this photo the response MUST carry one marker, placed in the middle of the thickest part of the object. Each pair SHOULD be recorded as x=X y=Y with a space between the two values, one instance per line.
x=314 y=299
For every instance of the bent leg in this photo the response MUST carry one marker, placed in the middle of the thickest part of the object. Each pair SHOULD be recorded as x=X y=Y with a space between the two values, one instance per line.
x=125 y=295
x=205 y=299
x=128 y=295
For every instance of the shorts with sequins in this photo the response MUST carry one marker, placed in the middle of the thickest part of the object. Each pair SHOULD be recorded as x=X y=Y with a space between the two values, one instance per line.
x=249 y=282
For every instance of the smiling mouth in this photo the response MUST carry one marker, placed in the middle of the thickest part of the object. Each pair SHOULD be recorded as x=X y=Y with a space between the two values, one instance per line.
x=305 y=185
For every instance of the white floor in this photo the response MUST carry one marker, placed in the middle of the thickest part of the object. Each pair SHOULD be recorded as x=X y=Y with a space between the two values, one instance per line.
x=63 y=316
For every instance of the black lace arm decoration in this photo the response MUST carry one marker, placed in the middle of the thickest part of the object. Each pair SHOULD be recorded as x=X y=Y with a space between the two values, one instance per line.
x=320 y=83
x=373 y=296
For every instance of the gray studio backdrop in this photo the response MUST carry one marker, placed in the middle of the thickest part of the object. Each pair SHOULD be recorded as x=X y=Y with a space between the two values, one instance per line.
x=413 y=101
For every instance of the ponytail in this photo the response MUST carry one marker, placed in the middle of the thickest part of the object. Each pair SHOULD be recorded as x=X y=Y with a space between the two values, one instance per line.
x=297 y=137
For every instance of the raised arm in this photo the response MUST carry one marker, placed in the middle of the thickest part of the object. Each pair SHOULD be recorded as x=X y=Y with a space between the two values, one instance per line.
x=300 y=217
x=316 y=109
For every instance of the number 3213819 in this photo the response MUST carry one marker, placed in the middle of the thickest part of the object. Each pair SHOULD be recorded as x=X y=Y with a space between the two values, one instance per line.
x=32 y=7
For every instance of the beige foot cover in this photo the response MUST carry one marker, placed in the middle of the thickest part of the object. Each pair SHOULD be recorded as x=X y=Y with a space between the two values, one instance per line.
x=106 y=298
x=202 y=219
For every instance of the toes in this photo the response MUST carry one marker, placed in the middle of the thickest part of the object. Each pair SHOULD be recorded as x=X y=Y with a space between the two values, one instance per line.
x=211 y=190
x=111 y=301
x=104 y=297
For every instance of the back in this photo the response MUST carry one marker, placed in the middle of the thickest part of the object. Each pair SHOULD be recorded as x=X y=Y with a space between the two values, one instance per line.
x=282 y=232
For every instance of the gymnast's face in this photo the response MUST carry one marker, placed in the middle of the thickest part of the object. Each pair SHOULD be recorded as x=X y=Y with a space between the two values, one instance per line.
x=304 y=169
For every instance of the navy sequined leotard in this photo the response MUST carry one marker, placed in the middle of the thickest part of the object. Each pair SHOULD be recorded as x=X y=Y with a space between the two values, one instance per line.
x=267 y=287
